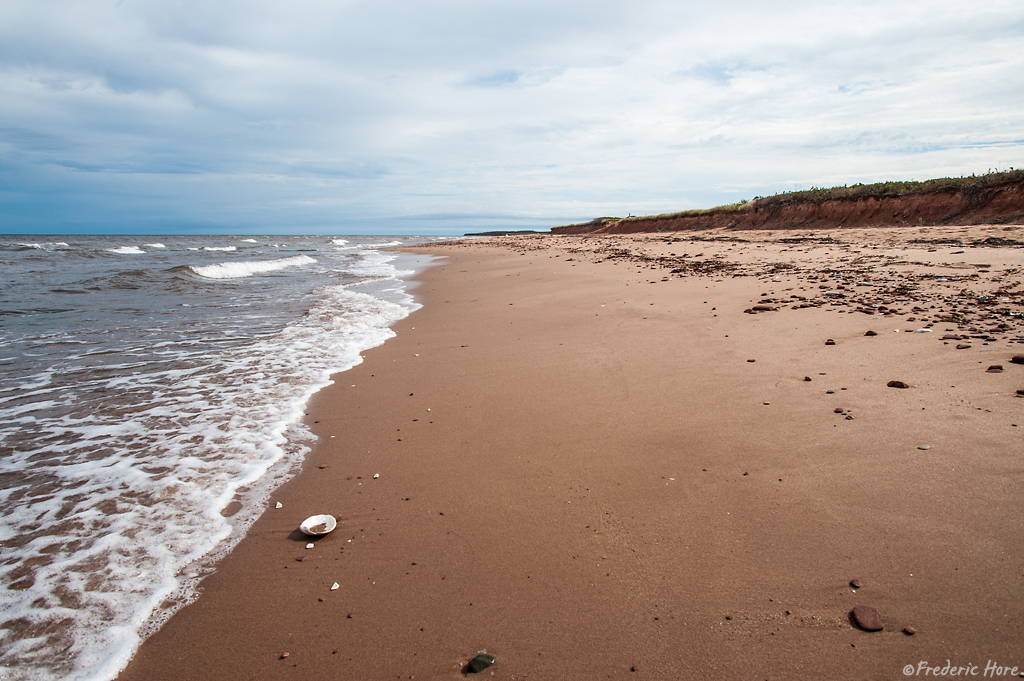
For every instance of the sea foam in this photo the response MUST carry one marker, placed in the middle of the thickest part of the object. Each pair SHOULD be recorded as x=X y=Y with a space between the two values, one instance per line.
x=237 y=270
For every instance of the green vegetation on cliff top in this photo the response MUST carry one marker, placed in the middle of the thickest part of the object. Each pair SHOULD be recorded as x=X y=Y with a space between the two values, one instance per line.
x=969 y=185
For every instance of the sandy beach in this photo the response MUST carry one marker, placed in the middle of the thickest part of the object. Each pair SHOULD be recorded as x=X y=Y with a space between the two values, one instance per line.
x=592 y=457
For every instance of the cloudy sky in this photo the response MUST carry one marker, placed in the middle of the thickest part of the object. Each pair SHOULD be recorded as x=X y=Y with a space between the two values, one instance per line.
x=445 y=116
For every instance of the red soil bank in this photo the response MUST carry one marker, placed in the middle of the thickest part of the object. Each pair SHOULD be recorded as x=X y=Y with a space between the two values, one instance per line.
x=963 y=206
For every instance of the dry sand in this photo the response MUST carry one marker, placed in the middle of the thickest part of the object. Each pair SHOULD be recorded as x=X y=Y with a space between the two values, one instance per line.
x=583 y=473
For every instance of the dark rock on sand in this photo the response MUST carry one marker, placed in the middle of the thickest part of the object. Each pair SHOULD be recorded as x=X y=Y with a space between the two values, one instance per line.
x=764 y=308
x=963 y=346
x=480 y=663
x=950 y=336
x=807 y=378
x=867 y=618
x=995 y=369
x=897 y=384
x=909 y=631
x=871 y=333
x=855 y=583
x=1017 y=359
x=839 y=410
x=830 y=342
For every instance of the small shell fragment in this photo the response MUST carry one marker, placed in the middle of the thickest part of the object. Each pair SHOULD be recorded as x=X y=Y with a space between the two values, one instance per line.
x=376 y=475
x=335 y=586
x=310 y=545
x=279 y=505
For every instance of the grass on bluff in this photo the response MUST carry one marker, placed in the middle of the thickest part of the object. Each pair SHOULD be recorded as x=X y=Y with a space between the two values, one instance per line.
x=970 y=185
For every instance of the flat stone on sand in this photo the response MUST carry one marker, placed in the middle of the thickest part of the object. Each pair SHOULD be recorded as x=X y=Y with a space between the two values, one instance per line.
x=480 y=663
x=1017 y=359
x=897 y=384
x=871 y=333
x=867 y=618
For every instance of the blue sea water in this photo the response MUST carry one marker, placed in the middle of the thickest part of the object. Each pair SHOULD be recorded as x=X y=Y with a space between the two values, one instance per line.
x=151 y=391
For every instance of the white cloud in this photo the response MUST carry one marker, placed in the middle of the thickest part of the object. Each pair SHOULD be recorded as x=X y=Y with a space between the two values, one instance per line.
x=321 y=115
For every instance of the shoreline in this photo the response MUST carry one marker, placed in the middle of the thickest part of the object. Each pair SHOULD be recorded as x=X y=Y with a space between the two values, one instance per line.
x=599 y=485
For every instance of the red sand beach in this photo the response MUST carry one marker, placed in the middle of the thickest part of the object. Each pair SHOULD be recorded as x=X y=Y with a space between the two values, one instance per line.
x=594 y=464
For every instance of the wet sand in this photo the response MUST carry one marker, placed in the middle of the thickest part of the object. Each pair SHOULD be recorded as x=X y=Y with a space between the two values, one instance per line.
x=582 y=472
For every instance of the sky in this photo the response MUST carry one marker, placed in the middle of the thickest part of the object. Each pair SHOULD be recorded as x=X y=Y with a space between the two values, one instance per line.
x=448 y=116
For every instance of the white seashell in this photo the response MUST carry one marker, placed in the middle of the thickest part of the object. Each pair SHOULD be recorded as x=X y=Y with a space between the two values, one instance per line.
x=279 y=505
x=318 y=524
x=376 y=475
x=335 y=586
x=310 y=545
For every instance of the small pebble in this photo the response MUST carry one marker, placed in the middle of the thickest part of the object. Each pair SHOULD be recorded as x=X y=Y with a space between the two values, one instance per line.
x=310 y=545
x=480 y=663
x=830 y=342
x=867 y=618
x=995 y=369
x=807 y=378
x=838 y=410
x=909 y=631
x=897 y=384
x=283 y=656
x=1017 y=359
x=871 y=333
x=855 y=583
x=924 y=447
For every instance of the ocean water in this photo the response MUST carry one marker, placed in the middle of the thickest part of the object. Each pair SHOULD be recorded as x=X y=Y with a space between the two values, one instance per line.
x=151 y=391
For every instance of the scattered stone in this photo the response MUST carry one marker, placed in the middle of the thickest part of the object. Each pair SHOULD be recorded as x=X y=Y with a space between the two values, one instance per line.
x=279 y=505
x=924 y=447
x=807 y=378
x=480 y=663
x=284 y=656
x=728 y=617
x=839 y=410
x=1021 y=391
x=849 y=417
x=995 y=369
x=909 y=631
x=764 y=308
x=310 y=545
x=376 y=476
x=1017 y=359
x=867 y=618
x=335 y=586
x=749 y=311
x=830 y=342
x=950 y=336
x=897 y=384
x=830 y=392
x=871 y=333
x=963 y=346
x=751 y=360
x=855 y=583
